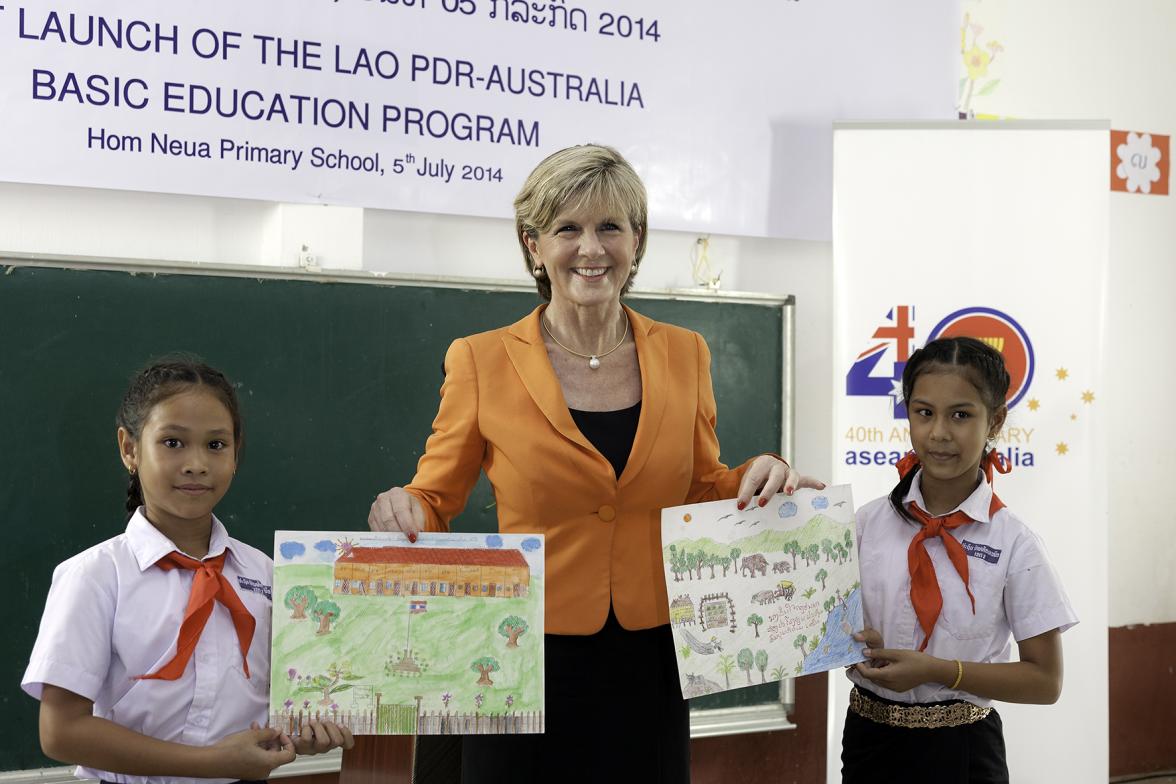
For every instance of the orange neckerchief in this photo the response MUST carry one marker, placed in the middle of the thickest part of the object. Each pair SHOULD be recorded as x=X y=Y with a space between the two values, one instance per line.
x=926 y=597
x=209 y=586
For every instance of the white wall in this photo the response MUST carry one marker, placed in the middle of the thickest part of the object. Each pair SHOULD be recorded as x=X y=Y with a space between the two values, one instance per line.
x=1083 y=60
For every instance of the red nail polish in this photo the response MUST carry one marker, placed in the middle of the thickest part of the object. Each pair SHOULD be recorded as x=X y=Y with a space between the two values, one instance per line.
x=412 y=538
x=741 y=504
x=763 y=502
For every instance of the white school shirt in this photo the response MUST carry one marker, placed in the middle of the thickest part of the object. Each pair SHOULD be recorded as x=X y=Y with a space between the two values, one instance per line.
x=112 y=614
x=1018 y=592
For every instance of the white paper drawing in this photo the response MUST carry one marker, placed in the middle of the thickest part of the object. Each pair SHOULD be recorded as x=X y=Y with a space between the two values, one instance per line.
x=765 y=593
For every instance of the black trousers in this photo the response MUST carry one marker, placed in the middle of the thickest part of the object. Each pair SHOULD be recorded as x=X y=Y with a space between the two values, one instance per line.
x=615 y=714
x=872 y=753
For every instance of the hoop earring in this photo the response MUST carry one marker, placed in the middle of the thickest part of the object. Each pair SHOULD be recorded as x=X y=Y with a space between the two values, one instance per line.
x=539 y=272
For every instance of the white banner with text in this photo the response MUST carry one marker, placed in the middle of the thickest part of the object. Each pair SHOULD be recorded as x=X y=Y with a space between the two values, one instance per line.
x=446 y=105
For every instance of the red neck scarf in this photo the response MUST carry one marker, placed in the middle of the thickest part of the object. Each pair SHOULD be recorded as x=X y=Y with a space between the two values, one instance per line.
x=926 y=597
x=209 y=586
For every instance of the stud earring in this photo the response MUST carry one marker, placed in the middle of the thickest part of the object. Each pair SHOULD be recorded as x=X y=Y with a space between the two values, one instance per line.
x=539 y=272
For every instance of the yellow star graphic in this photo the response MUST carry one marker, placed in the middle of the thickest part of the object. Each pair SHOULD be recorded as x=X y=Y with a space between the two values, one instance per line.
x=1062 y=374
x=1088 y=396
x=1062 y=448
x=1034 y=404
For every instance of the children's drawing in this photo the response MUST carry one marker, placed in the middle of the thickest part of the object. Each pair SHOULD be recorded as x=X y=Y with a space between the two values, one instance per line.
x=444 y=636
x=765 y=593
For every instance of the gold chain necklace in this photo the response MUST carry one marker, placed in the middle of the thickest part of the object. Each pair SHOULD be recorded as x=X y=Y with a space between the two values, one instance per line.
x=593 y=359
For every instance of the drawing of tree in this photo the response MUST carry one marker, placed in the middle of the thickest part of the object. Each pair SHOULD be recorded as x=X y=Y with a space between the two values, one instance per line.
x=830 y=603
x=712 y=561
x=793 y=549
x=822 y=575
x=839 y=553
x=330 y=683
x=726 y=664
x=827 y=549
x=799 y=643
x=849 y=545
x=326 y=613
x=484 y=666
x=735 y=553
x=699 y=562
x=725 y=562
x=746 y=661
x=300 y=598
x=675 y=563
x=512 y=627
x=761 y=664
x=813 y=553
x=755 y=620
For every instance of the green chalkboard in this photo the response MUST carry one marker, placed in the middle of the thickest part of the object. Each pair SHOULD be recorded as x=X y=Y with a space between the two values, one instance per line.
x=339 y=385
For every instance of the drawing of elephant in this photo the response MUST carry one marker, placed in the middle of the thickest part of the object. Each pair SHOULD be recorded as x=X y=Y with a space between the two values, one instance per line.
x=780 y=567
x=755 y=562
x=764 y=597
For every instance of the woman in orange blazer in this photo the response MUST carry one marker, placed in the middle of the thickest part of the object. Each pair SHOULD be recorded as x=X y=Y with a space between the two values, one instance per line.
x=588 y=419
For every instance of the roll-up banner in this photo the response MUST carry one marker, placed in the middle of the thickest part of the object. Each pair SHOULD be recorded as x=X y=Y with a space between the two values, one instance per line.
x=446 y=105
x=997 y=231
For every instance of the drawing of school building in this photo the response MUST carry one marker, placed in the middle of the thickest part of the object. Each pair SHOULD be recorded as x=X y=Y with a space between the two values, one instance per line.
x=431 y=571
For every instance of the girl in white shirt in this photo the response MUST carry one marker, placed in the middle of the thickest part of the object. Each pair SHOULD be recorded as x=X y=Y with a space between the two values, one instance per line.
x=949 y=577
x=152 y=660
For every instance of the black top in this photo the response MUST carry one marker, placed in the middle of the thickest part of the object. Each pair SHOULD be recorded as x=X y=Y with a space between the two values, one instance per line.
x=611 y=432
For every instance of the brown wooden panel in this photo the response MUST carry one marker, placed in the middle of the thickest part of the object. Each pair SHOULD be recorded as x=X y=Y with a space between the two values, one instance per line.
x=378 y=759
x=786 y=757
x=1142 y=698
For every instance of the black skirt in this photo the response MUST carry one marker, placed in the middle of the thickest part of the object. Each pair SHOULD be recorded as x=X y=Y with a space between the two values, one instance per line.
x=614 y=713
x=969 y=754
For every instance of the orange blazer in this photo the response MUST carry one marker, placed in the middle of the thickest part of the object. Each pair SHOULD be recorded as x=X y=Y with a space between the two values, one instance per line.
x=503 y=411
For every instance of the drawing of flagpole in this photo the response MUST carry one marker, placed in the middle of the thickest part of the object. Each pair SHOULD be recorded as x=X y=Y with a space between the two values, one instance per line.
x=414 y=606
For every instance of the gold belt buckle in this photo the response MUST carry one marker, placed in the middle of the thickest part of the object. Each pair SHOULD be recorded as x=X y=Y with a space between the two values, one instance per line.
x=915 y=716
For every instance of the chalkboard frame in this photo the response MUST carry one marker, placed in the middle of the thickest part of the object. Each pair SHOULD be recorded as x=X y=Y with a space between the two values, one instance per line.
x=705 y=722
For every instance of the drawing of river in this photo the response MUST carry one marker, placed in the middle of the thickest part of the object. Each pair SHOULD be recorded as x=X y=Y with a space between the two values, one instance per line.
x=837 y=647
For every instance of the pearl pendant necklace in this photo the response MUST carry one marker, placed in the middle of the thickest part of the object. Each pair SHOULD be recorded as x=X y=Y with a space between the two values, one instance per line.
x=593 y=359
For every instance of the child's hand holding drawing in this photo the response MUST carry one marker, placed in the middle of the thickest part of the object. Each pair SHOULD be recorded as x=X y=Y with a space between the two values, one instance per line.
x=319 y=736
x=899 y=670
x=252 y=754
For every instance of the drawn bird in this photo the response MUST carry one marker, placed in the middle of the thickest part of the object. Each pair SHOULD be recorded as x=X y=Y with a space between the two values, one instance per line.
x=754 y=524
x=741 y=522
x=839 y=503
x=724 y=517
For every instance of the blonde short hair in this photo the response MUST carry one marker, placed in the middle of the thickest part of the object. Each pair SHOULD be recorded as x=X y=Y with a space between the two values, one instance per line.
x=585 y=174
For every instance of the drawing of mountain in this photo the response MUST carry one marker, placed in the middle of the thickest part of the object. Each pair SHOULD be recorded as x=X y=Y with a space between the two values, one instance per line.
x=818 y=528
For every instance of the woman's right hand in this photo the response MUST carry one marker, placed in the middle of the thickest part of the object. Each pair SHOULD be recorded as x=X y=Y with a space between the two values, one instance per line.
x=397 y=510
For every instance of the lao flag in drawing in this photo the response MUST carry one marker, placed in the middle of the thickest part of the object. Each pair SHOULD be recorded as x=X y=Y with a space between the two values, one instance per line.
x=417 y=606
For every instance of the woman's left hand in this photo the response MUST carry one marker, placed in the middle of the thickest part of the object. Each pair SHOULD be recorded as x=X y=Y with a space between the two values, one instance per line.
x=769 y=475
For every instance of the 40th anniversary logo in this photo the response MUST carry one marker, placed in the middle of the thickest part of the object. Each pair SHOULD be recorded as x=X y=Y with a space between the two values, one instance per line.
x=877 y=373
